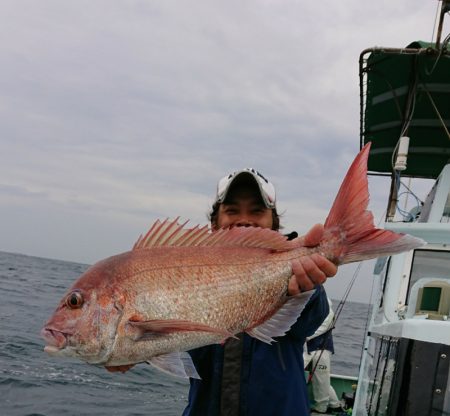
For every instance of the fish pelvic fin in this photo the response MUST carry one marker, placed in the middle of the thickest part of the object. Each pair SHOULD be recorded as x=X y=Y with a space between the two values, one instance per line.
x=351 y=226
x=282 y=320
x=177 y=364
x=150 y=329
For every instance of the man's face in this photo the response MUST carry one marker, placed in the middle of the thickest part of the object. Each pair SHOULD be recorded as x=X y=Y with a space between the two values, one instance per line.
x=243 y=207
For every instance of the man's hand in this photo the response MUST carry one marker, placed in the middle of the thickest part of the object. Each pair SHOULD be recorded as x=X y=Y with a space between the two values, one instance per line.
x=310 y=270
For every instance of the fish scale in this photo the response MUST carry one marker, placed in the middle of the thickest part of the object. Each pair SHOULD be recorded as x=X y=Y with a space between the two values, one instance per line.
x=213 y=285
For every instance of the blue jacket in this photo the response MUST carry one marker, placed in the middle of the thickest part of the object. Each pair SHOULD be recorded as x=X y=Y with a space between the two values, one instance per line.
x=272 y=380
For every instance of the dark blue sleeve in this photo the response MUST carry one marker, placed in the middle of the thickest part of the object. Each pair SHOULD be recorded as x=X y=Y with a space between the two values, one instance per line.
x=324 y=341
x=315 y=312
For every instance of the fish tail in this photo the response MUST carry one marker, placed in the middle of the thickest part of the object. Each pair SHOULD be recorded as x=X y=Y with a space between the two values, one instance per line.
x=352 y=225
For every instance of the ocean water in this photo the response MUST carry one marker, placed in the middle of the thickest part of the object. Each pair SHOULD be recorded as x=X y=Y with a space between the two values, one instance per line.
x=33 y=383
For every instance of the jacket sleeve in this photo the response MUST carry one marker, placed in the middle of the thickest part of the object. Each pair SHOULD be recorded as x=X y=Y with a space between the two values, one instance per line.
x=326 y=325
x=315 y=312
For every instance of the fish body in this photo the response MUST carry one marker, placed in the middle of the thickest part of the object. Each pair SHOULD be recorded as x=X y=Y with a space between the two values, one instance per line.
x=146 y=302
x=181 y=288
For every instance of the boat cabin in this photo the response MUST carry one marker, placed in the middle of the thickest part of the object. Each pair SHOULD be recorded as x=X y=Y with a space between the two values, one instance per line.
x=405 y=113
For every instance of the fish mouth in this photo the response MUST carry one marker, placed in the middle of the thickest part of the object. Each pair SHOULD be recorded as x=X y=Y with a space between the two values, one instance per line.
x=56 y=340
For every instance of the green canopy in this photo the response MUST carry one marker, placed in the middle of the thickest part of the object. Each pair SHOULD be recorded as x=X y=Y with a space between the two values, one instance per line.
x=406 y=92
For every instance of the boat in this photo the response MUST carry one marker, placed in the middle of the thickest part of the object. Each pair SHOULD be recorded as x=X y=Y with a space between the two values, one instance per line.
x=405 y=114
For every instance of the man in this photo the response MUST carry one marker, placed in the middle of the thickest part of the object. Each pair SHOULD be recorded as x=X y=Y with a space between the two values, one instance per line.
x=319 y=348
x=247 y=376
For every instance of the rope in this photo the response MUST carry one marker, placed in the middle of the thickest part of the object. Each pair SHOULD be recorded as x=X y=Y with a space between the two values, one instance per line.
x=438 y=114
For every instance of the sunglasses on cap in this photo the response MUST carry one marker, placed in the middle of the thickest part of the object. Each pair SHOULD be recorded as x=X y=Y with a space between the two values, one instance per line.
x=266 y=189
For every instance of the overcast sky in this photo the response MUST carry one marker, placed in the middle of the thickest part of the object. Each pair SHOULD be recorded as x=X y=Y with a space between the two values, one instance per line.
x=116 y=113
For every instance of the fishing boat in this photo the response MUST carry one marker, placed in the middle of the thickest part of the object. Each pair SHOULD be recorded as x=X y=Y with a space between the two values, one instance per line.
x=405 y=113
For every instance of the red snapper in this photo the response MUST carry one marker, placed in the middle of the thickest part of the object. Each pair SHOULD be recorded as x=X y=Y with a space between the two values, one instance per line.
x=182 y=288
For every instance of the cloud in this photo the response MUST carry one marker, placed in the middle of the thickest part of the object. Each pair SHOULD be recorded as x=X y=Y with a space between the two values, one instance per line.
x=114 y=114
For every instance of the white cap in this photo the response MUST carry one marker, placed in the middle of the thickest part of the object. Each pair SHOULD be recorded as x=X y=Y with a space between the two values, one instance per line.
x=266 y=189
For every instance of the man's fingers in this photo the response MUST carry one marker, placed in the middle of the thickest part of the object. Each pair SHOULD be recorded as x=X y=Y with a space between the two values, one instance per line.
x=315 y=274
x=301 y=274
x=325 y=265
x=309 y=271
x=293 y=288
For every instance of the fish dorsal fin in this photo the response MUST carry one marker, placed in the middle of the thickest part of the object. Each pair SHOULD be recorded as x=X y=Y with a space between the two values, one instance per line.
x=177 y=364
x=282 y=320
x=170 y=233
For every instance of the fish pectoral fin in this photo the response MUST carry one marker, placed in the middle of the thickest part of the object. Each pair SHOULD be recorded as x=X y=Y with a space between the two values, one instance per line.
x=177 y=364
x=280 y=322
x=158 y=327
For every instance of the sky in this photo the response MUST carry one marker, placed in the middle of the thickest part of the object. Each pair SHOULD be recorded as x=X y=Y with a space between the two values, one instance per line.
x=115 y=114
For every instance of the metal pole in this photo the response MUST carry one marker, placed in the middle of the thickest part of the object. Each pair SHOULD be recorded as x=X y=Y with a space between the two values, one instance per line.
x=445 y=7
x=393 y=199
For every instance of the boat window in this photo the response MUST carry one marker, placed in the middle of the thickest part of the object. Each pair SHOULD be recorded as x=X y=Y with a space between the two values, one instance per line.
x=428 y=205
x=429 y=263
x=426 y=208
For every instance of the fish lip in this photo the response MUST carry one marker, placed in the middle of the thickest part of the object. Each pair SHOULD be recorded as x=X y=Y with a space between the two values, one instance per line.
x=56 y=339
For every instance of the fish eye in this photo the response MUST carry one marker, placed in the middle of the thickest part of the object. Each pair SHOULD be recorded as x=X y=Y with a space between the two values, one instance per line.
x=74 y=300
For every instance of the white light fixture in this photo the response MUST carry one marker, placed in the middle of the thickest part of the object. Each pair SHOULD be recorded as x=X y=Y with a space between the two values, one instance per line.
x=402 y=154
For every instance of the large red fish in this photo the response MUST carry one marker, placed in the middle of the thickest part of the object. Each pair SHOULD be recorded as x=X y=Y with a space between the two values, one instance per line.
x=181 y=288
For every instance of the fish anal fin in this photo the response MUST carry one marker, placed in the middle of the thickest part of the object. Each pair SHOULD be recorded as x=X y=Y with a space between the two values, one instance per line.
x=120 y=368
x=280 y=322
x=177 y=364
